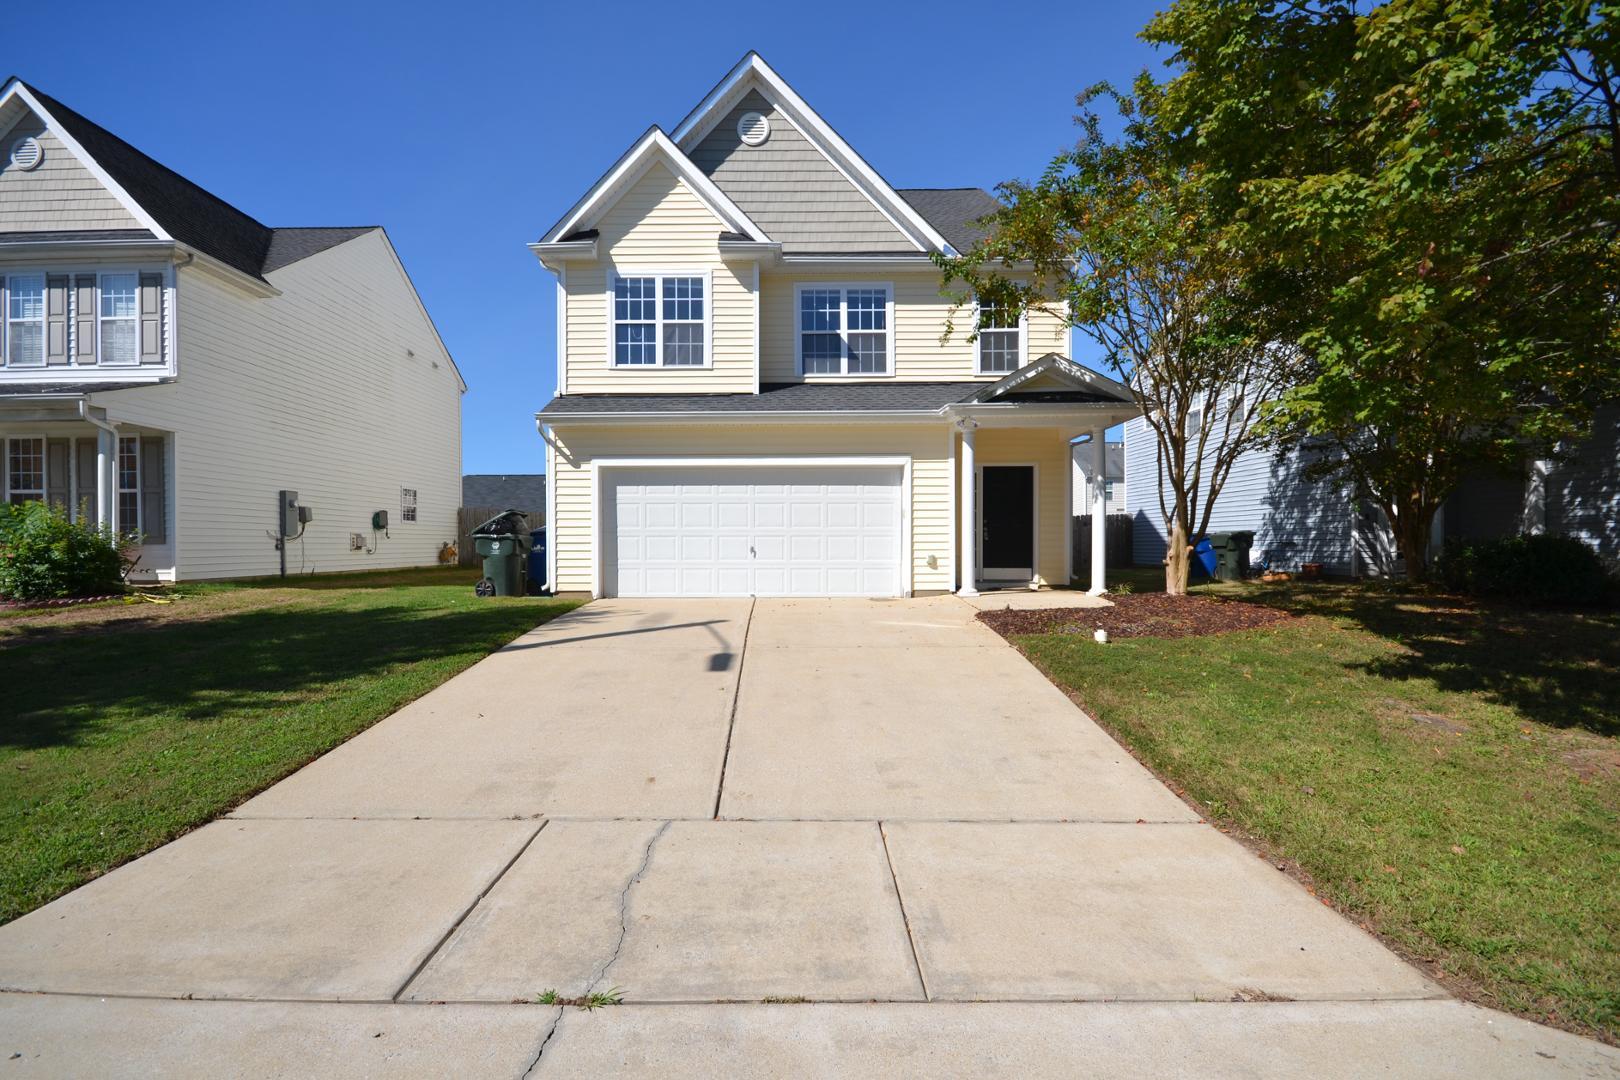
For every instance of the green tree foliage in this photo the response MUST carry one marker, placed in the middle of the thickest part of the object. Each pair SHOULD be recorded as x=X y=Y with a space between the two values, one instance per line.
x=1426 y=197
x=1116 y=238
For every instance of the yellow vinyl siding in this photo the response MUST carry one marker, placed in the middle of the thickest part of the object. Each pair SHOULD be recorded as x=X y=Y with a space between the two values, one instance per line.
x=927 y=444
x=1047 y=449
x=920 y=314
x=659 y=224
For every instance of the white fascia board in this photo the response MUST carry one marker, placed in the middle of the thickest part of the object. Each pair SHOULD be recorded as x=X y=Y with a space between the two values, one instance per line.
x=822 y=416
x=16 y=89
x=91 y=250
x=560 y=252
x=1087 y=414
x=650 y=147
x=204 y=263
x=821 y=134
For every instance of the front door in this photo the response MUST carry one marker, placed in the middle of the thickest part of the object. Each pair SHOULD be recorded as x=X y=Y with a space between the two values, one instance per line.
x=1007 y=538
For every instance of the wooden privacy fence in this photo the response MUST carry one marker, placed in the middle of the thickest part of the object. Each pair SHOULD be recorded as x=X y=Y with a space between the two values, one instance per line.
x=1118 y=528
x=469 y=518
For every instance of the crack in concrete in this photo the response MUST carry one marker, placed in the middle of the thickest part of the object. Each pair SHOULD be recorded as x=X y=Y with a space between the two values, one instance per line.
x=624 y=908
x=540 y=1053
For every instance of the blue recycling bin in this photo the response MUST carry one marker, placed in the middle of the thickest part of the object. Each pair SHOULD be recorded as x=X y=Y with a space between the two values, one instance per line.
x=537 y=561
x=1204 y=557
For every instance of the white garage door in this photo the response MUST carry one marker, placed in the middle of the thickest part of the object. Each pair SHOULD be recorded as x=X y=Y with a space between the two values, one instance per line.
x=785 y=530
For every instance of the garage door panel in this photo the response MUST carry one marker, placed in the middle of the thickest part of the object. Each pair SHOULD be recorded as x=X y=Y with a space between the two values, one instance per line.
x=768 y=531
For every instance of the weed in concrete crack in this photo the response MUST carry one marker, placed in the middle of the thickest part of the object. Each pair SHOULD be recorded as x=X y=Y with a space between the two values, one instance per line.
x=595 y=1000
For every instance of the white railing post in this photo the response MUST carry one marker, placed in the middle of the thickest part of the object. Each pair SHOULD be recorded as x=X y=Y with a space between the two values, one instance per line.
x=970 y=516
x=1099 y=512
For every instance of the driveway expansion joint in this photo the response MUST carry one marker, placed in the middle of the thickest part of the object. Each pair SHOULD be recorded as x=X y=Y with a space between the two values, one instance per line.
x=439 y=945
x=624 y=909
x=736 y=695
x=894 y=879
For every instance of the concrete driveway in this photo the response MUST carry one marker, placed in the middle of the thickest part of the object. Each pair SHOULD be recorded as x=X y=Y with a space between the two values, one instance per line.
x=804 y=837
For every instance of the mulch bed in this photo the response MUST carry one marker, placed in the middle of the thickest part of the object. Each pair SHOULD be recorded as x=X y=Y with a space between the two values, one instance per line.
x=73 y=601
x=1144 y=615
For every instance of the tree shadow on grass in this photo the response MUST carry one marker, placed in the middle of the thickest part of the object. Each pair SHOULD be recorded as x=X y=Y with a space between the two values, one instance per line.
x=59 y=693
x=1557 y=667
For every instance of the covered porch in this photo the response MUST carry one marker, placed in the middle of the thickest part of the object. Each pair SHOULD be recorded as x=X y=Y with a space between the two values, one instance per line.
x=1014 y=461
x=59 y=448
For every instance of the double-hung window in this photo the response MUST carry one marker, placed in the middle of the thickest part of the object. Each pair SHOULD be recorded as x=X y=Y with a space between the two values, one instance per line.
x=1001 y=339
x=129 y=485
x=845 y=329
x=120 y=306
x=660 y=320
x=25 y=320
x=25 y=470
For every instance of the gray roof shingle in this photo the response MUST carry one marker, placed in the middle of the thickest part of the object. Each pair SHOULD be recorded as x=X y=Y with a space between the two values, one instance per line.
x=954 y=212
x=919 y=397
x=521 y=491
x=193 y=216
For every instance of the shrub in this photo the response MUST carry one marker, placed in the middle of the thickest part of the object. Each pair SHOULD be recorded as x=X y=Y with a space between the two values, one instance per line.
x=1551 y=569
x=45 y=556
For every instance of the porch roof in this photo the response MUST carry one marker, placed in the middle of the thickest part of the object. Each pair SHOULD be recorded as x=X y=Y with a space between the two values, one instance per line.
x=28 y=391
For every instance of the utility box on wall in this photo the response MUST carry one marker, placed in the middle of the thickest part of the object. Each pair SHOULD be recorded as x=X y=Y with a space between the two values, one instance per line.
x=290 y=516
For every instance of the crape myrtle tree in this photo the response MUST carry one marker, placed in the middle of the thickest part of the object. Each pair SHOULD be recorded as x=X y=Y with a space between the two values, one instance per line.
x=1116 y=239
x=1426 y=197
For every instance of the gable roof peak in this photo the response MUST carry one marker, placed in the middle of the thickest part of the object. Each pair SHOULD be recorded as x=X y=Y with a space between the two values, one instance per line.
x=752 y=72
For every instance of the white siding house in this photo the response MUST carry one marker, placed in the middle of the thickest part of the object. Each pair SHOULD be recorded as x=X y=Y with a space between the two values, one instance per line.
x=193 y=363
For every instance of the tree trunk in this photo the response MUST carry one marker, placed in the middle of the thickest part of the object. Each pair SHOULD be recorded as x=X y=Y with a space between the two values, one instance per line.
x=1177 y=560
x=1411 y=529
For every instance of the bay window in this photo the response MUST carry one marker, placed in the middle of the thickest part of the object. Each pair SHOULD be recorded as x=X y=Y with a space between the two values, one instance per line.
x=25 y=320
x=660 y=320
x=845 y=329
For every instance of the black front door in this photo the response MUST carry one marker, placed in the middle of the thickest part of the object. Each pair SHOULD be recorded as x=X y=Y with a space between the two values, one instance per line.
x=1009 y=522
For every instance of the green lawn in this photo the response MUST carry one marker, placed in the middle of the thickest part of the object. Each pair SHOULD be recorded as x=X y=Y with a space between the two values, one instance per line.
x=1448 y=774
x=125 y=725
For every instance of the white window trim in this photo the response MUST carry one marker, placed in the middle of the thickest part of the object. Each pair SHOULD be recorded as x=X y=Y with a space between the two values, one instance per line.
x=119 y=490
x=44 y=468
x=707 y=277
x=890 y=360
x=103 y=320
x=44 y=307
x=978 y=343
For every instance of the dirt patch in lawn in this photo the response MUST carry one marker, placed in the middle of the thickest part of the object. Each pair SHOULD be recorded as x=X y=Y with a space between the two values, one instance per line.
x=1144 y=615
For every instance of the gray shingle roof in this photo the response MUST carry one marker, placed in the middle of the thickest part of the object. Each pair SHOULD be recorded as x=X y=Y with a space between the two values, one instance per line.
x=288 y=246
x=75 y=235
x=27 y=390
x=521 y=491
x=954 y=212
x=780 y=397
x=193 y=216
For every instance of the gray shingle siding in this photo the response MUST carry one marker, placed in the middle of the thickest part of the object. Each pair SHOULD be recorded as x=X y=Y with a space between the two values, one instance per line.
x=790 y=190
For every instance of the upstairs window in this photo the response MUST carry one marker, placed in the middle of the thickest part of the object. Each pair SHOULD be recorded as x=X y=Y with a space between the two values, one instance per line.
x=660 y=320
x=845 y=329
x=120 y=298
x=25 y=320
x=1001 y=339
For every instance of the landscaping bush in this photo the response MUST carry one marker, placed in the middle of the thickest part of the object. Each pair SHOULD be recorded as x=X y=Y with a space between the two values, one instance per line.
x=45 y=556
x=1551 y=569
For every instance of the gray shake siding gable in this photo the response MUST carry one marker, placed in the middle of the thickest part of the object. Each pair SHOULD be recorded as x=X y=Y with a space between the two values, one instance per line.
x=790 y=190
x=59 y=194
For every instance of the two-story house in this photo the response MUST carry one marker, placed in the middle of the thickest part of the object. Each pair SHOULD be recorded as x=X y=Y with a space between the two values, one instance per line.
x=755 y=395
x=170 y=366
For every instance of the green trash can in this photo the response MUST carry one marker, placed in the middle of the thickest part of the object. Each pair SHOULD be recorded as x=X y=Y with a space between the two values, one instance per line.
x=1242 y=541
x=503 y=541
x=1225 y=547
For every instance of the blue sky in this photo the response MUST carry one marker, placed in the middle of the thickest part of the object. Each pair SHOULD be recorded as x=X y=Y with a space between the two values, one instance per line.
x=467 y=130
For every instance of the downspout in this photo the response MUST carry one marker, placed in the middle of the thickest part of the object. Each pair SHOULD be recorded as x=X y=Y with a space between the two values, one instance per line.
x=104 y=460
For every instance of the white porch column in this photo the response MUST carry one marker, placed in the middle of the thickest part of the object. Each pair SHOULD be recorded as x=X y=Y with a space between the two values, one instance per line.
x=106 y=479
x=1099 y=511
x=969 y=548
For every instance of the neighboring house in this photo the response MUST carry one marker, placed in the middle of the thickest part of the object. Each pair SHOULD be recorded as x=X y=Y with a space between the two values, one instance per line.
x=170 y=365
x=518 y=491
x=1297 y=520
x=1113 y=477
x=753 y=397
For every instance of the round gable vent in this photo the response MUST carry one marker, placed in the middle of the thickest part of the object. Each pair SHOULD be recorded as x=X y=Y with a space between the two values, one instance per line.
x=753 y=128
x=26 y=153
